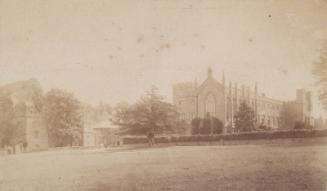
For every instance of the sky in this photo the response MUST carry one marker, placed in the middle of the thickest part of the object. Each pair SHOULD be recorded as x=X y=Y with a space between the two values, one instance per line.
x=111 y=51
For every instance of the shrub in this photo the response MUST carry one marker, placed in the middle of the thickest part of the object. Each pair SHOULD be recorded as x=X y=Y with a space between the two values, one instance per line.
x=302 y=125
x=217 y=126
x=196 y=125
x=206 y=125
x=299 y=125
x=263 y=128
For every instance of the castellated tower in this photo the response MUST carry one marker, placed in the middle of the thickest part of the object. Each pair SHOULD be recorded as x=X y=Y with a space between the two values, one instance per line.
x=28 y=114
x=184 y=97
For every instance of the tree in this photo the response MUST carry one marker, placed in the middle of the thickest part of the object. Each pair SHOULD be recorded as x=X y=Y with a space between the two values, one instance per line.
x=180 y=127
x=196 y=122
x=63 y=117
x=244 y=118
x=217 y=126
x=149 y=114
x=320 y=72
x=121 y=114
x=206 y=126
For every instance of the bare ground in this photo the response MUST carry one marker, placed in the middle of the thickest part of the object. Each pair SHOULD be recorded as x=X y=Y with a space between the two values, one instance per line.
x=234 y=167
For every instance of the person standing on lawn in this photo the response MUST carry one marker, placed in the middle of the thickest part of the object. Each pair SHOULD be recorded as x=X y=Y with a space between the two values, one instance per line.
x=151 y=138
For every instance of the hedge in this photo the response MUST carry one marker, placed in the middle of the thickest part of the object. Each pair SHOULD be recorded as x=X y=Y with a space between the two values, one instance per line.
x=263 y=135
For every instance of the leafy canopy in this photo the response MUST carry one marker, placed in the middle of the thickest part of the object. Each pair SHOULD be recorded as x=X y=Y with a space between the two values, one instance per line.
x=150 y=114
x=244 y=118
x=63 y=117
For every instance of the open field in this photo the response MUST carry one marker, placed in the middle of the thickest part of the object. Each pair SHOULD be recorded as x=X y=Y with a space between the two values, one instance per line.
x=232 y=167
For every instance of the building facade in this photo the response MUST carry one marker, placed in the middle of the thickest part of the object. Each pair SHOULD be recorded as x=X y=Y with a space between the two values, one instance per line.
x=98 y=131
x=222 y=101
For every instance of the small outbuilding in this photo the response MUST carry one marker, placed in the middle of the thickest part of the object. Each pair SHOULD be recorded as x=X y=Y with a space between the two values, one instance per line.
x=102 y=134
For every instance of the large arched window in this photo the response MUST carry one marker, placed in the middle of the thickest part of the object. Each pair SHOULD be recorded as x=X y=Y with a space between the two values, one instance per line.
x=210 y=105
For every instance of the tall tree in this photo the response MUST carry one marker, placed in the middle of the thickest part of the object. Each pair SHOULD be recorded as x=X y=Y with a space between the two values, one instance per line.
x=63 y=116
x=121 y=114
x=320 y=72
x=244 y=118
x=150 y=114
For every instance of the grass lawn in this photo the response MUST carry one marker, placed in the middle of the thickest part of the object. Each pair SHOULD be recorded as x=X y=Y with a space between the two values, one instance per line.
x=233 y=167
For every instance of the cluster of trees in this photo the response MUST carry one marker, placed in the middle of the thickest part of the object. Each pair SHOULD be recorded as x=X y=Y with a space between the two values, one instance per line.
x=151 y=114
x=63 y=116
x=60 y=110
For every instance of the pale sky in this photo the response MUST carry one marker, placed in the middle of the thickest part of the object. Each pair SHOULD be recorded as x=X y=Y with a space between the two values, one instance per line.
x=113 y=51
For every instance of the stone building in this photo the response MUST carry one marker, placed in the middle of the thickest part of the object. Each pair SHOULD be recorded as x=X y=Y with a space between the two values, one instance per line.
x=101 y=134
x=301 y=107
x=98 y=131
x=222 y=100
x=28 y=116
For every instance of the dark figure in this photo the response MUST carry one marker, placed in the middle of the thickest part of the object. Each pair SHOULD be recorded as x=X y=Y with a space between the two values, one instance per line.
x=151 y=138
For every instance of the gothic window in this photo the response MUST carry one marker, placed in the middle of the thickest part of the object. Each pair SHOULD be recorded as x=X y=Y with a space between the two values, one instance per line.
x=210 y=105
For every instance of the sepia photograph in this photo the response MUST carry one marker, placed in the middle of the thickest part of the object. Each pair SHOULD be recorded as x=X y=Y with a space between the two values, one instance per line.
x=163 y=95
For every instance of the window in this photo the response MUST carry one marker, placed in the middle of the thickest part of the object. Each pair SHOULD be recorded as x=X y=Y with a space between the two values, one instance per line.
x=210 y=105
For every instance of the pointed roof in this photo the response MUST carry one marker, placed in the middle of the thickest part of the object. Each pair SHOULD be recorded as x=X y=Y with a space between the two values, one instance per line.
x=210 y=79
